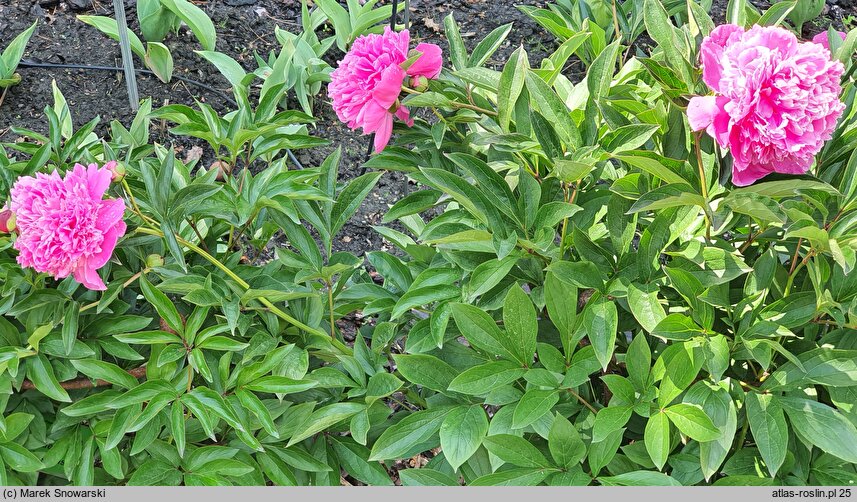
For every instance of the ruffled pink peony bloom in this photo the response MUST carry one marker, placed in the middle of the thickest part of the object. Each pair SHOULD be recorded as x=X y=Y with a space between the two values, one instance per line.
x=776 y=99
x=821 y=38
x=65 y=226
x=365 y=88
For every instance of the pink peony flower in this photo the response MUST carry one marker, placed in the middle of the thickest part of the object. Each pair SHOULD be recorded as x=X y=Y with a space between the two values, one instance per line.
x=776 y=99
x=365 y=88
x=821 y=38
x=65 y=226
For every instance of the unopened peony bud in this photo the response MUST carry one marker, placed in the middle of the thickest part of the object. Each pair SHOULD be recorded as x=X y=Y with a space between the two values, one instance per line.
x=419 y=83
x=117 y=171
x=154 y=260
x=7 y=221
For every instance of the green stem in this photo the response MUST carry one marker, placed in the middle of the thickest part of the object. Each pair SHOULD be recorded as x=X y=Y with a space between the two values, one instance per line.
x=795 y=269
x=189 y=378
x=241 y=282
x=330 y=307
x=570 y=200
x=703 y=184
x=743 y=436
x=134 y=202
x=125 y=285
x=583 y=401
x=448 y=126
x=456 y=104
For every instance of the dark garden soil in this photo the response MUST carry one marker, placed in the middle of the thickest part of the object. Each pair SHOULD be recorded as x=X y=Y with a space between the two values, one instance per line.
x=245 y=27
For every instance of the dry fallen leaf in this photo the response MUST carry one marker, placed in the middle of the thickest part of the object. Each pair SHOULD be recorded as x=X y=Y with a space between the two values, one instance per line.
x=195 y=153
x=431 y=24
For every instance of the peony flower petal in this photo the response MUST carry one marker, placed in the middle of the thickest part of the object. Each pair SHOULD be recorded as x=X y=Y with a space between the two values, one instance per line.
x=383 y=133
x=110 y=213
x=701 y=111
x=748 y=174
x=823 y=39
x=108 y=244
x=88 y=277
x=372 y=116
x=711 y=51
x=98 y=180
x=404 y=115
x=388 y=89
x=429 y=63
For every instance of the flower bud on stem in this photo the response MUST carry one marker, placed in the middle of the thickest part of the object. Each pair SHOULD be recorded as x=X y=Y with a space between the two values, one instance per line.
x=7 y=221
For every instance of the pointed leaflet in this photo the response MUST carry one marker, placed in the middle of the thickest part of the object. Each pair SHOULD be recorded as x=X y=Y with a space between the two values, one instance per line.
x=400 y=438
x=462 y=432
x=546 y=102
x=482 y=379
x=196 y=19
x=566 y=446
x=717 y=403
x=532 y=406
x=350 y=198
x=643 y=300
x=768 y=425
x=519 y=318
x=353 y=458
x=601 y=72
x=163 y=305
x=493 y=184
x=822 y=426
x=600 y=322
x=515 y=450
x=41 y=373
x=609 y=420
x=480 y=330
x=425 y=370
x=657 y=439
x=692 y=422
x=638 y=362
x=511 y=84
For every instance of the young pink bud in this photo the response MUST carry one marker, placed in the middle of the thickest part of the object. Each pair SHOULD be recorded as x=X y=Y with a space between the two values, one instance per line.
x=117 y=171
x=7 y=221
x=419 y=83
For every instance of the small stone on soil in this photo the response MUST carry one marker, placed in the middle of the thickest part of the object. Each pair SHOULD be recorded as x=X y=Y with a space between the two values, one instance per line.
x=77 y=5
